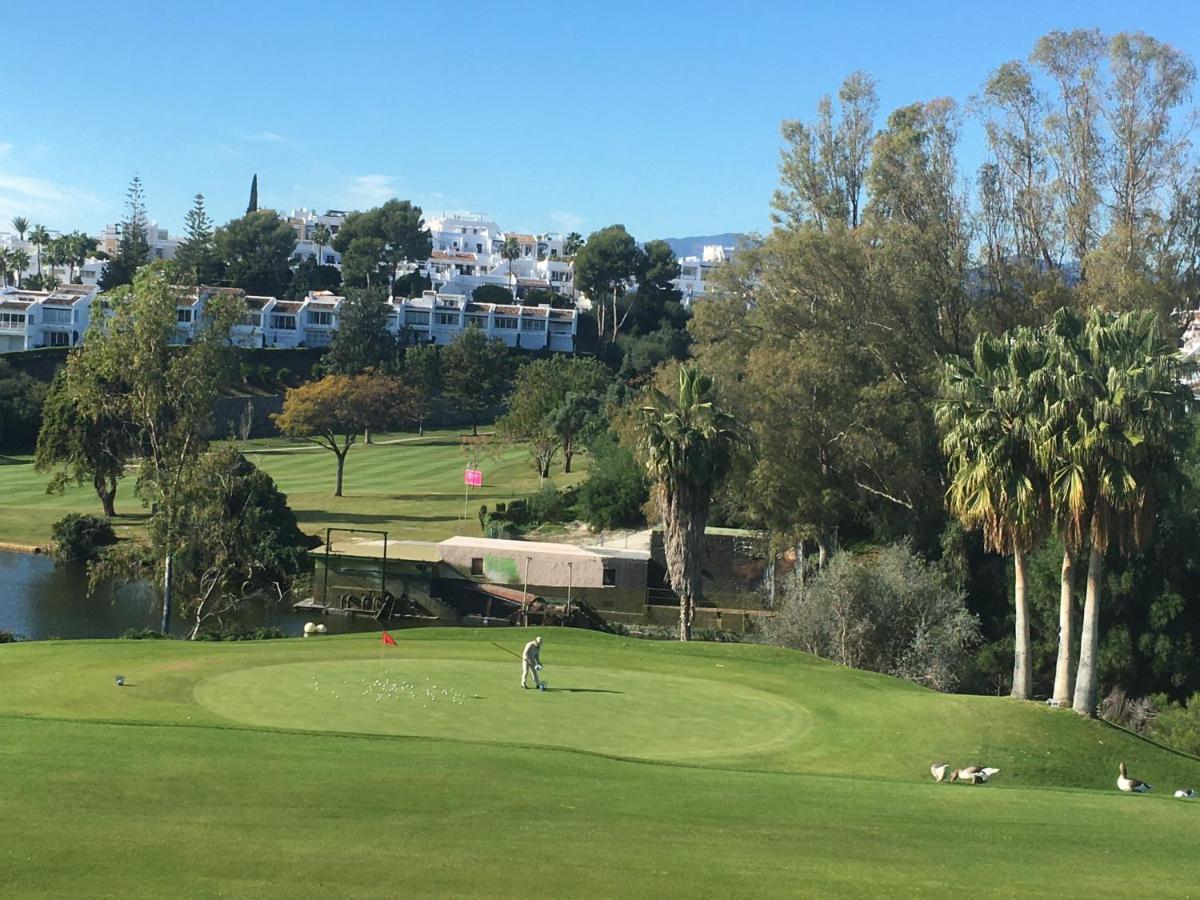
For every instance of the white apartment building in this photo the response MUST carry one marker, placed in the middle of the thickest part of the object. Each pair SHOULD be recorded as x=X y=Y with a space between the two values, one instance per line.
x=430 y=318
x=304 y=222
x=468 y=252
x=162 y=245
x=33 y=319
x=694 y=271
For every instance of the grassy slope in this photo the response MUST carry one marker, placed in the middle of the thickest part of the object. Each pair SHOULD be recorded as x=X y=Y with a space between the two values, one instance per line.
x=843 y=806
x=412 y=489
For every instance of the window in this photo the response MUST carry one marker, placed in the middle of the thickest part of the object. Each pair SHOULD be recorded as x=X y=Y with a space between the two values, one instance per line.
x=477 y=565
x=12 y=320
x=416 y=317
x=283 y=323
x=253 y=319
x=506 y=323
x=533 y=324
x=317 y=317
x=58 y=339
x=445 y=319
x=183 y=316
x=610 y=577
x=317 y=338
x=479 y=248
x=56 y=316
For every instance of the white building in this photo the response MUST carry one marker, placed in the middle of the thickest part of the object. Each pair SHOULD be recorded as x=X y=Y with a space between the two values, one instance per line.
x=694 y=271
x=468 y=252
x=305 y=222
x=33 y=319
x=162 y=245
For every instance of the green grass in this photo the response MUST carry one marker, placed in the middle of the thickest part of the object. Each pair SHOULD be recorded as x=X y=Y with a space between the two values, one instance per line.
x=411 y=488
x=312 y=768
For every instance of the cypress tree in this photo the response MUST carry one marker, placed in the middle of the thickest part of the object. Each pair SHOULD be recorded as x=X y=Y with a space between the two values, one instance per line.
x=253 y=207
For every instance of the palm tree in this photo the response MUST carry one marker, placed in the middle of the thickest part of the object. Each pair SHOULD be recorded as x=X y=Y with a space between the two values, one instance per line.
x=321 y=236
x=20 y=225
x=18 y=262
x=688 y=448
x=1121 y=378
x=989 y=416
x=39 y=237
x=5 y=266
x=511 y=251
x=572 y=243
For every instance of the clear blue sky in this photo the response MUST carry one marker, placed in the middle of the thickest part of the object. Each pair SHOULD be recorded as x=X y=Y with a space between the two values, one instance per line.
x=660 y=115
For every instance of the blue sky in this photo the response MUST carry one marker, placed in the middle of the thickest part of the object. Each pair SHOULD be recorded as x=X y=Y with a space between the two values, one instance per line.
x=663 y=116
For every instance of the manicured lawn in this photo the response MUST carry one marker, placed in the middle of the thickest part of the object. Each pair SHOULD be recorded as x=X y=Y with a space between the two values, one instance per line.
x=315 y=768
x=411 y=488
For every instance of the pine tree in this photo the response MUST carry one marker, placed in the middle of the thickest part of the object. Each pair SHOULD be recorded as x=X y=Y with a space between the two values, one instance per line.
x=197 y=255
x=253 y=207
x=134 y=248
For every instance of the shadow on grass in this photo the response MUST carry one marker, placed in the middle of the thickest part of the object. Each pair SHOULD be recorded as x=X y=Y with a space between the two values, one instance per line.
x=551 y=690
x=13 y=460
x=317 y=515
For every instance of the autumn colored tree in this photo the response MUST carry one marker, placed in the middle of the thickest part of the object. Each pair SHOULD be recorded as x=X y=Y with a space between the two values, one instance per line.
x=334 y=411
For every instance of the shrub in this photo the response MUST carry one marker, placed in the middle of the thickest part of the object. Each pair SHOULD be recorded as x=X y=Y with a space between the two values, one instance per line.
x=283 y=375
x=236 y=632
x=615 y=490
x=483 y=511
x=141 y=634
x=887 y=611
x=79 y=537
x=263 y=373
x=7 y=637
x=1177 y=724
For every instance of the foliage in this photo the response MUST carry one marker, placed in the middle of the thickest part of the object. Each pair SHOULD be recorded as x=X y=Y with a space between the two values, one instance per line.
x=311 y=277
x=1177 y=724
x=84 y=444
x=239 y=632
x=555 y=402
x=80 y=537
x=615 y=492
x=21 y=402
x=332 y=412
x=422 y=372
x=492 y=293
x=252 y=206
x=134 y=247
x=606 y=267
x=887 y=611
x=196 y=256
x=475 y=373
x=256 y=251
x=374 y=243
x=362 y=341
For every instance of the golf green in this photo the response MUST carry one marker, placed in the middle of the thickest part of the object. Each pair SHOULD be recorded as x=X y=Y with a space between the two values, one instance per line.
x=638 y=715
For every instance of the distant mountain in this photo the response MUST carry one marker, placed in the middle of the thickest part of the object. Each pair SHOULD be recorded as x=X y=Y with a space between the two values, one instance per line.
x=694 y=246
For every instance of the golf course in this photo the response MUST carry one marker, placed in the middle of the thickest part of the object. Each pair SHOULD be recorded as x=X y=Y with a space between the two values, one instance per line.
x=409 y=485
x=338 y=766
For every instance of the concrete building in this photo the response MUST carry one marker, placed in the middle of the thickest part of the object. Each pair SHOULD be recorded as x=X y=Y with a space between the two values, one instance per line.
x=305 y=222
x=33 y=319
x=695 y=271
x=468 y=252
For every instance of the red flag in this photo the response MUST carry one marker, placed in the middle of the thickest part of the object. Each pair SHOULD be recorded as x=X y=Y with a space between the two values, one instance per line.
x=388 y=639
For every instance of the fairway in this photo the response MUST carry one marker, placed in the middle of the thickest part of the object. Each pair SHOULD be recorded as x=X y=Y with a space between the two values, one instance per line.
x=410 y=486
x=630 y=714
x=322 y=767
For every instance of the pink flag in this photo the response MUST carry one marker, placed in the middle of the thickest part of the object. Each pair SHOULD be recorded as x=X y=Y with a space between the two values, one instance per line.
x=473 y=478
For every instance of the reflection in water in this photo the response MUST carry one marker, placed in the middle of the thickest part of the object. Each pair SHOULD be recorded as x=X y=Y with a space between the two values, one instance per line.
x=39 y=600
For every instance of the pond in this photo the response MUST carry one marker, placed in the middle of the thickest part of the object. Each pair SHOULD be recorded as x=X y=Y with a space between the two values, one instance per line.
x=41 y=599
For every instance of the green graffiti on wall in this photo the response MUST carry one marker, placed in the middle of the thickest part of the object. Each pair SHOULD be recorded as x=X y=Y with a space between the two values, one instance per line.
x=500 y=569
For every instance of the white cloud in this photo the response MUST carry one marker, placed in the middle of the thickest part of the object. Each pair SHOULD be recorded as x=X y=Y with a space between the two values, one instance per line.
x=265 y=137
x=55 y=205
x=6 y=148
x=366 y=191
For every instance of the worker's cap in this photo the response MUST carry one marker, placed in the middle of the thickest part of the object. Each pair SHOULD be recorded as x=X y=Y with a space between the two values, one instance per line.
x=538 y=639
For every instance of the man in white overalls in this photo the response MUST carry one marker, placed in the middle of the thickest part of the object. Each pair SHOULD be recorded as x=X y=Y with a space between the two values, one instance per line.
x=531 y=662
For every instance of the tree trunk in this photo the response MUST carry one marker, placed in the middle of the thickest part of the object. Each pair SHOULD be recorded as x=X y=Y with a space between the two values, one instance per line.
x=567 y=454
x=366 y=435
x=1022 y=686
x=684 y=516
x=1089 y=637
x=106 y=490
x=822 y=551
x=341 y=464
x=167 y=586
x=474 y=428
x=1062 y=670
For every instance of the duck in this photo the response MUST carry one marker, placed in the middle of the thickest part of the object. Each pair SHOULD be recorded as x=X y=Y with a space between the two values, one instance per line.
x=1189 y=794
x=1130 y=785
x=974 y=774
x=939 y=771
